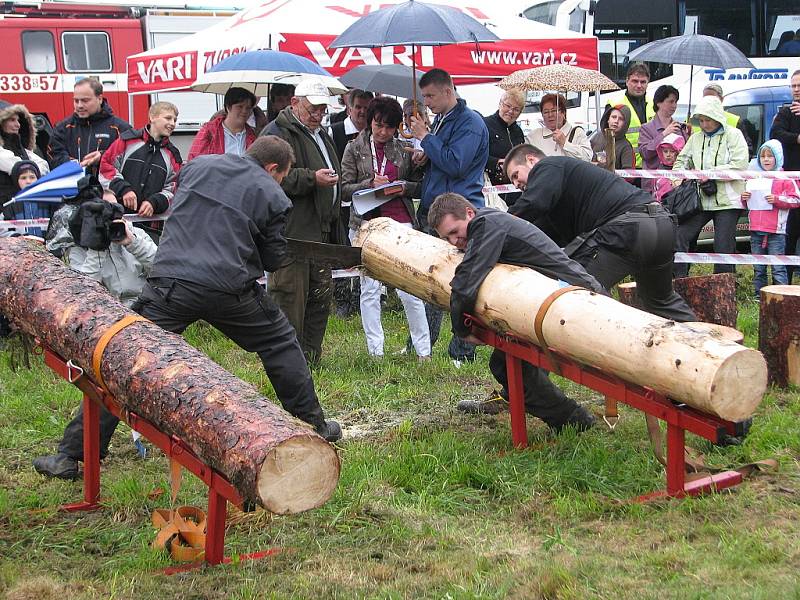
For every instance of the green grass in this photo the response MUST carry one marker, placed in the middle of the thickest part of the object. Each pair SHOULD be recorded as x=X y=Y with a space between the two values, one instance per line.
x=431 y=503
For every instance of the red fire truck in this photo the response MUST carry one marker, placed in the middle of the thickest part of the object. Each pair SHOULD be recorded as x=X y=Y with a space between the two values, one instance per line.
x=48 y=46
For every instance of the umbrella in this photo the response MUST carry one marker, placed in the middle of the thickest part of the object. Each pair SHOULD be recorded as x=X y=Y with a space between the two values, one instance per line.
x=256 y=70
x=694 y=49
x=61 y=181
x=558 y=77
x=415 y=23
x=394 y=80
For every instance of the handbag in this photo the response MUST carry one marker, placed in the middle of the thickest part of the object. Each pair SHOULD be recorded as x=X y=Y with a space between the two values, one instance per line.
x=683 y=201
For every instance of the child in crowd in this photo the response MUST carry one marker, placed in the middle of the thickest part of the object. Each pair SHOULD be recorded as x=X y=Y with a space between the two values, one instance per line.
x=667 y=151
x=768 y=225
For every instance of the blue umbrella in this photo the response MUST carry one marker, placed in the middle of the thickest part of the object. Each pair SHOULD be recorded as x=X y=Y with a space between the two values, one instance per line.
x=415 y=23
x=61 y=181
x=694 y=49
x=257 y=69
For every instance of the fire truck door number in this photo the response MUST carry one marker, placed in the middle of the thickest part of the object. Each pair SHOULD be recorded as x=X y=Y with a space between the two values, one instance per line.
x=28 y=83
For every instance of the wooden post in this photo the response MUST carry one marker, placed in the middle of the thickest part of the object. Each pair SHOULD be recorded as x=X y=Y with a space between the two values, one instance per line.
x=779 y=333
x=711 y=297
x=684 y=363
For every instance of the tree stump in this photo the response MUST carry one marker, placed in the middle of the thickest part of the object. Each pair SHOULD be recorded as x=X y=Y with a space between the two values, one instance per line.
x=711 y=297
x=779 y=333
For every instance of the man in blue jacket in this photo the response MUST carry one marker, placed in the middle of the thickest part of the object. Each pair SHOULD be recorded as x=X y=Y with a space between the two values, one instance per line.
x=456 y=150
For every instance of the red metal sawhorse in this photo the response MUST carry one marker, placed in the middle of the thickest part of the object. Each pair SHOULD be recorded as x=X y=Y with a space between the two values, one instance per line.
x=220 y=490
x=679 y=418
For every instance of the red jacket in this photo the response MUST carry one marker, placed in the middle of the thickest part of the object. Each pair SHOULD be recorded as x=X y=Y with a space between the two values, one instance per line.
x=211 y=138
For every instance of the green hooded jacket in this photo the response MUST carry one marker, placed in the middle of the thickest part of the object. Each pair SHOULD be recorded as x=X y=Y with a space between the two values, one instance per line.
x=726 y=148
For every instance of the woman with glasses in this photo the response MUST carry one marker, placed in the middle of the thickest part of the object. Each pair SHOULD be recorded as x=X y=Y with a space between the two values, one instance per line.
x=229 y=132
x=557 y=136
x=376 y=157
x=504 y=134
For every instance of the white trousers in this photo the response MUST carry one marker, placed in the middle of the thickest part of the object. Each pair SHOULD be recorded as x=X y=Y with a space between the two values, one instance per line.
x=370 y=301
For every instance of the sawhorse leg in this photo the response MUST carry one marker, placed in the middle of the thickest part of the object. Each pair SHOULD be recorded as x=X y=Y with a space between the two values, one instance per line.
x=215 y=527
x=91 y=457
x=516 y=402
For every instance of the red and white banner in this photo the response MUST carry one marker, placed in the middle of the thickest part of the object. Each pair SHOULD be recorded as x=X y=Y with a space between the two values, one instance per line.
x=306 y=28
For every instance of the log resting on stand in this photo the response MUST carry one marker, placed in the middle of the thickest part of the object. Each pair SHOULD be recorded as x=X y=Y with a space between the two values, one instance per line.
x=684 y=363
x=270 y=457
x=779 y=333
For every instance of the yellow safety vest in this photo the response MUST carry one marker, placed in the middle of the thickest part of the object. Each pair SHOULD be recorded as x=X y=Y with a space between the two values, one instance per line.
x=633 y=128
x=731 y=119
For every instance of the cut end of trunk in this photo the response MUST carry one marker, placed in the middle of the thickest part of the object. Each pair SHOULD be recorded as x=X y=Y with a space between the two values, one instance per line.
x=739 y=385
x=298 y=475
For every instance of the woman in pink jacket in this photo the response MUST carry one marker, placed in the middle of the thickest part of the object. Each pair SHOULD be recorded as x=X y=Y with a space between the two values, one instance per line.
x=768 y=225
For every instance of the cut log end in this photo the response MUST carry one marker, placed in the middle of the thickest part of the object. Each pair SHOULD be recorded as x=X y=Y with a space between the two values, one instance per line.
x=739 y=385
x=299 y=475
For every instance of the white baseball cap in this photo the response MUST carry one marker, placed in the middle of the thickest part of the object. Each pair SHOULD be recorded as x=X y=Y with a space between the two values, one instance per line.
x=313 y=90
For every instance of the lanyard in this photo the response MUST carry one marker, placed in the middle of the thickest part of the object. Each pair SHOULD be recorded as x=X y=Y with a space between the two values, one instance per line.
x=438 y=125
x=375 y=169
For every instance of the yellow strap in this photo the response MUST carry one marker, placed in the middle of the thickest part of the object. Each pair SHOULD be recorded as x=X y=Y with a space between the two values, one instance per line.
x=538 y=322
x=97 y=355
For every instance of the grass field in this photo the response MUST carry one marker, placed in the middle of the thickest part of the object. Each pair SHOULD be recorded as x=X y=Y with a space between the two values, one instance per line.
x=431 y=503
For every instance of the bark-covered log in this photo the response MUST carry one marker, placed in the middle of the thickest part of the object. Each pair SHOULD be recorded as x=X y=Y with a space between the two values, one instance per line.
x=268 y=455
x=678 y=360
x=779 y=333
x=712 y=297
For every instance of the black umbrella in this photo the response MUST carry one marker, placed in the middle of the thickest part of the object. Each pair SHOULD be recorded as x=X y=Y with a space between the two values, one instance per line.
x=394 y=80
x=415 y=23
x=694 y=49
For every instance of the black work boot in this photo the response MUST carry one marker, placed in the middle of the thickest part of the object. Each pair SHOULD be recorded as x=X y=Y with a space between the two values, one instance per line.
x=494 y=404
x=58 y=465
x=581 y=419
x=331 y=431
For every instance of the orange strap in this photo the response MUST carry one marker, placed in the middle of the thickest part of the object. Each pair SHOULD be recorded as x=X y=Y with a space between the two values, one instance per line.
x=182 y=532
x=97 y=355
x=538 y=322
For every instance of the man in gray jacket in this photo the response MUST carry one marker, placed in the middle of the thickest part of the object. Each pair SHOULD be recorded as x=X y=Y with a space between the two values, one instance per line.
x=302 y=290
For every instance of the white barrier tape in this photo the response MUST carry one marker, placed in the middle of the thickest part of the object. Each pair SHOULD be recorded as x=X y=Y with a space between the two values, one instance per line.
x=499 y=189
x=43 y=222
x=721 y=174
x=735 y=259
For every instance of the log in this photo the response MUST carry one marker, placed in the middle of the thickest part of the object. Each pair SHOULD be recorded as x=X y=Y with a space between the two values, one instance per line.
x=779 y=333
x=684 y=363
x=711 y=297
x=270 y=457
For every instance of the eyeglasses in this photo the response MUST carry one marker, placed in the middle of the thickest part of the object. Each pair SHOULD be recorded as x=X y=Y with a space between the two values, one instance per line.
x=510 y=107
x=318 y=109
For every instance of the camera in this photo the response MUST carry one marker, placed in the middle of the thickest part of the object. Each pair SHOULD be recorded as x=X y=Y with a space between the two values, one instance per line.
x=708 y=187
x=92 y=225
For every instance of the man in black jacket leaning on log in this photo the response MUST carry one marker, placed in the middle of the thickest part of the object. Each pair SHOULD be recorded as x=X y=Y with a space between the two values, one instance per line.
x=613 y=229
x=488 y=237
x=226 y=228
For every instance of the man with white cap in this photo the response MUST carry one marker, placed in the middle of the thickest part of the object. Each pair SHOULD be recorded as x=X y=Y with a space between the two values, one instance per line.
x=302 y=290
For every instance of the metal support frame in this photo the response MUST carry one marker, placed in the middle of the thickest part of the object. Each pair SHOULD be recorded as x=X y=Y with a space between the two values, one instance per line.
x=679 y=418
x=220 y=490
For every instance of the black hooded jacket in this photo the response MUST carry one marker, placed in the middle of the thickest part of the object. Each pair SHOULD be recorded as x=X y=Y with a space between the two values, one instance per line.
x=75 y=137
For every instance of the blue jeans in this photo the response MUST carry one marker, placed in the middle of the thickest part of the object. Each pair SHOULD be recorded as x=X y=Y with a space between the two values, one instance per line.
x=768 y=243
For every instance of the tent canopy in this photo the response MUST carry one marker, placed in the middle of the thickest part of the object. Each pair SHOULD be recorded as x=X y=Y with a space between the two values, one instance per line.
x=306 y=28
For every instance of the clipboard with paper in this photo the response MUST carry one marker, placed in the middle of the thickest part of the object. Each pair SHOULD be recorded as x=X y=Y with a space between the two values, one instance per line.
x=759 y=190
x=370 y=199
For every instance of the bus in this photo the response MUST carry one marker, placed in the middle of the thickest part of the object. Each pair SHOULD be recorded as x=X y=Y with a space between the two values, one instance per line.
x=759 y=28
